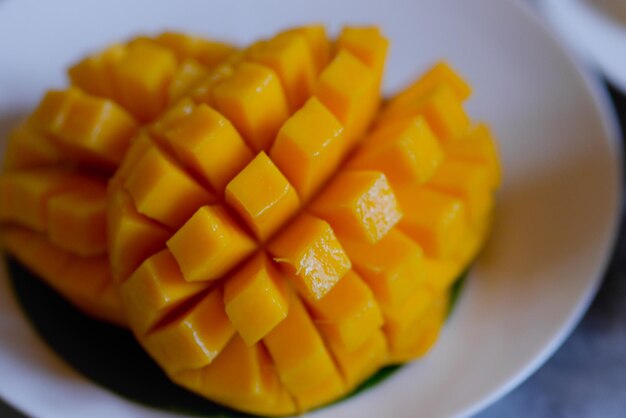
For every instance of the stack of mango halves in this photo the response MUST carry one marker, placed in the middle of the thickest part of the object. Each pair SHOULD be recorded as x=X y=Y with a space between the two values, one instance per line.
x=269 y=228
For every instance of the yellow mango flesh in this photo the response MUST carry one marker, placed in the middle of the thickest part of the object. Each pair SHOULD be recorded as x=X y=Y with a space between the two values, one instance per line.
x=190 y=341
x=26 y=194
x=291 y=58
x=155 y=289
x=189 y=74
x=27 y=148
x=392 y=268
x=436 y=221
x=315 y=35
x=348 y=315
x=131 y=236
x=349 y=89
x=84 y=281
x=368 y=45
x=256 y=299
x=441 y=108
x=272 y=237
x=359 y=205
x=262 y=196
x=407 y=152
x=156 y=173
x=311 y=254
x=309 y=147
x=209 y=144
x=467 y=181
x=142 y=76
x=95 y=74
x=254 y=101
x=357 y=364
x=77 y=219
x=477 y=146
x=301 y=359
x=95 y=130
x=440 y=74
x=205 y=51
x=209 y=244
x=243 y=377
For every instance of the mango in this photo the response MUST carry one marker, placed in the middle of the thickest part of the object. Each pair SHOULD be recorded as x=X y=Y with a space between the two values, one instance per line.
x=262 y=196
x=408 y=152
x=253 y=99
x=188 y=341
x=360 y=205
x=292 y=59
x=270 y=229
x=311 y=254
x=209 y=244
x=256 y=299
x=349 y=89
x=309 y=147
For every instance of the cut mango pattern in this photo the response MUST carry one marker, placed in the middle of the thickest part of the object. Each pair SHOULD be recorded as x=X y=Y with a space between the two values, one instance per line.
x=268 y=234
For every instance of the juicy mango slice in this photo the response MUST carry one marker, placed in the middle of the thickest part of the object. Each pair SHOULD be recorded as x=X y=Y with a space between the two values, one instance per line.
x=270 y=235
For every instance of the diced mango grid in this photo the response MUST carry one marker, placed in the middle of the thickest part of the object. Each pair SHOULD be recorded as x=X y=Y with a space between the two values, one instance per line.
x=251 y=198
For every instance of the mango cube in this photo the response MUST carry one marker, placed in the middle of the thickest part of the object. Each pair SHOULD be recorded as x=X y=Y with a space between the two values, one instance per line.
x=209 y=244
x=441 y=108
x=316 y=37
x=440 y=274
x=95 y=129
x=440 y=74
x=358 y=364
x=27 y=148
x=262 y=196
x=349 y=89
x=52 y=110
x=309 y=147
x=349 y=314
x=190 y=341
x=367 y=44
x=407 y=152
x=359 y=205
x=25 y=194
x=188 y=74
x=94 y=74
x=242 y=376
x=77 y=219
x=156 y=175
x=131 y=236
x=291 y=58
x=424 y=331
x=254 y=101
x=155 y=289
x=392 y=268
x=142 y=76
x=208 y=143
x=467 y=181
x=436 y=221
x=185 y=46
x=310 y=253
x=256 y=299
x=86 y=282
x=478 y=146
x=298 y=351
x=203 y=91
x=399 y=318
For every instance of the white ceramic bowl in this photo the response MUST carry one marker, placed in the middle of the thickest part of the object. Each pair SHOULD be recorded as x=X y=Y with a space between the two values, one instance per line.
x=556 y=213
